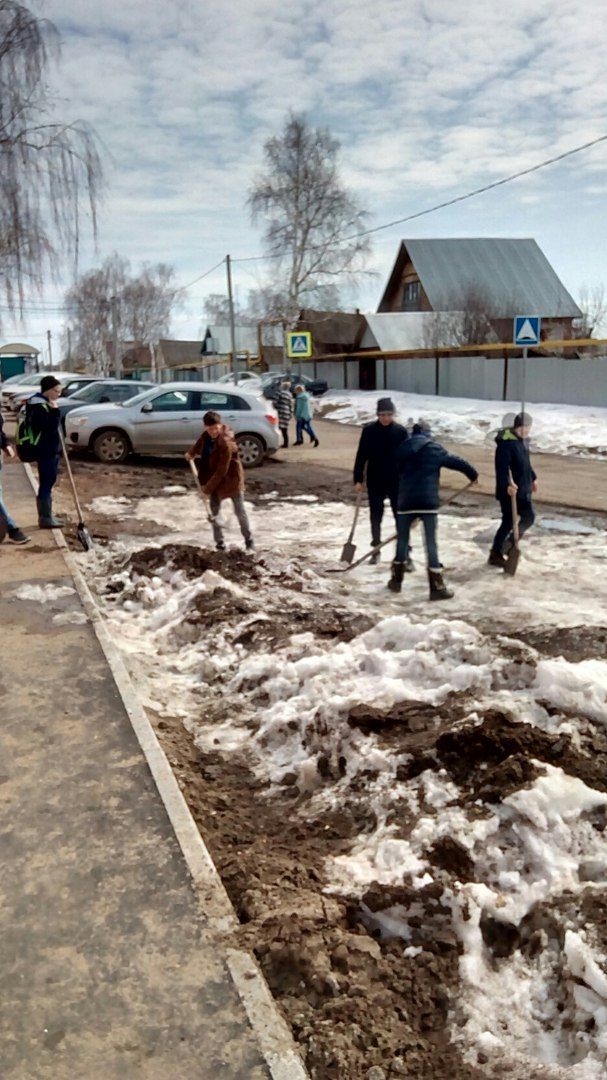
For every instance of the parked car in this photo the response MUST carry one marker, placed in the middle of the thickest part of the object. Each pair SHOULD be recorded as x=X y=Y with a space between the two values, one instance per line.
x=246 y=380
x=16 y=394
x=102 y=392
x=270 y=384
x=168 y=419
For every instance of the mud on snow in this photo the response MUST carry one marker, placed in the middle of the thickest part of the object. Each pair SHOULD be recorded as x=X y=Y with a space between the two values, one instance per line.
x=407 y=805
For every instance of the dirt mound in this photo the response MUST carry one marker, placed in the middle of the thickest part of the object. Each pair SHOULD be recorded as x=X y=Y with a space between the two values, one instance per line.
x=194 y=561
x=325 y=622
x=574 y=643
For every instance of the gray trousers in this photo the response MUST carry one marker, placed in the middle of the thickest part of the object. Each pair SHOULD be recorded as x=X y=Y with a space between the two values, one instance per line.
x=241 y=514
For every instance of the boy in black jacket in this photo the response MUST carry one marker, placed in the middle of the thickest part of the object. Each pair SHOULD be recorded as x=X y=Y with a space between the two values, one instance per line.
x=44 y=418
x=377 y=450
x=514 y=475
x=420 y=461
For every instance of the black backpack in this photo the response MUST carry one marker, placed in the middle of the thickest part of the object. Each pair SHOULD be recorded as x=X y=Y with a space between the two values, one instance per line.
x=26 y=442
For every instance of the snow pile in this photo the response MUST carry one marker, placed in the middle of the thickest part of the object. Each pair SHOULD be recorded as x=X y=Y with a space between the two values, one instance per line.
x=557 y=429
x=43 y=594
x=528 y=856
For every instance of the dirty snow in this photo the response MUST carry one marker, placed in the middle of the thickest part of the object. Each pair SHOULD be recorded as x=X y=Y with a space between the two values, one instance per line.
x=557 y=429
x=43 y=594
x=289 y=705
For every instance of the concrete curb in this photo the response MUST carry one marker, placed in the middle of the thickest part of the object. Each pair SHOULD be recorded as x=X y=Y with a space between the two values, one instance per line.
x=268 y=1025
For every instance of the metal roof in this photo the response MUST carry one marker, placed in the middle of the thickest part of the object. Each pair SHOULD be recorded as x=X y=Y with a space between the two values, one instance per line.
x=513 y=276
x=18 y=348
x=217 y=340
x=393 y=330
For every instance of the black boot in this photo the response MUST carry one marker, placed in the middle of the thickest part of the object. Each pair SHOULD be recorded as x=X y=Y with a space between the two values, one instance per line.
x=409 y=565
x=396 y=581
x=495 y=559
x=438 y=589
x=376 y=556
x=46 y=518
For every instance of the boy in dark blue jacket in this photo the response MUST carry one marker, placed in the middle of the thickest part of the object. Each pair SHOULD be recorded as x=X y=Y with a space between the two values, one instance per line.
x=420 y=461
x=514 y=475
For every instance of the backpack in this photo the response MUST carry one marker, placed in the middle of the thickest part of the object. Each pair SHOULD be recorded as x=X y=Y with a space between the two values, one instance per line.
x=26 y=443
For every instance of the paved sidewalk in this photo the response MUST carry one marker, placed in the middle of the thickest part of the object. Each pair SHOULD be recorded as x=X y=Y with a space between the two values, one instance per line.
x=108 y=968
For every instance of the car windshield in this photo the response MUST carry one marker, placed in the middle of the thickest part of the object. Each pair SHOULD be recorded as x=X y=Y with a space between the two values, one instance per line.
x=25 y=380
x=86 y=393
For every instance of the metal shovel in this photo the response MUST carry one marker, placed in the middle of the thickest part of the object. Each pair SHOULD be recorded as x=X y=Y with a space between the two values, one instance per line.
x=82 y=532
x=514 y=554
x=349 y=548
x=210 y=517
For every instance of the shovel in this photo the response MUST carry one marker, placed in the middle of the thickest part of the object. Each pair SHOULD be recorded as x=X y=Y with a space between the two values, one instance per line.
x=349 y=548
x=82 y=532
x=207 y=505
x=514 y=554
x=369 y=554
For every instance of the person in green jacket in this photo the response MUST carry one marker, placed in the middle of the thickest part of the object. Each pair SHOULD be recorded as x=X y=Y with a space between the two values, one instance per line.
x=303 y=417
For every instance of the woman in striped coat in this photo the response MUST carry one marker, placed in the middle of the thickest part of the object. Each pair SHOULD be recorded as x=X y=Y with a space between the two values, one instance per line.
x=284 y=408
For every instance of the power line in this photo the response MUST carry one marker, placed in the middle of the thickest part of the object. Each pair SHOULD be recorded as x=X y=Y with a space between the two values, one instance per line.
x=450 y=202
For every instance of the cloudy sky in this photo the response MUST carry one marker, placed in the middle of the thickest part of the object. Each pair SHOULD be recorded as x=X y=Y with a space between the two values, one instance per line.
x=429 y=99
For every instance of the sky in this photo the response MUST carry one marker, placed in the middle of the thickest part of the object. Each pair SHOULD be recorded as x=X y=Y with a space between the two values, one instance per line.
x=429 y=99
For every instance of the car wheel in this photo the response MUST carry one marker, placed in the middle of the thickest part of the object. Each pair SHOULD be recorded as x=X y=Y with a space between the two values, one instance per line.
x=251 y=449
x=111 y=446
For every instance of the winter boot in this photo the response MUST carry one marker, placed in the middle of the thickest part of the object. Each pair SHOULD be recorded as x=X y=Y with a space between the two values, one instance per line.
x=376 y=556
x=315 y=442
x=46 y=518
x=409 y=565
x=249 y=544
x=396 y=581
x=495 y=559
x=438 y=589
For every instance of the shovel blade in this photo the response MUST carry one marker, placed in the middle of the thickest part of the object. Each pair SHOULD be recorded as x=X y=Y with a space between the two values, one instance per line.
x=348 y=552
x=84 y=537
x=511 y=563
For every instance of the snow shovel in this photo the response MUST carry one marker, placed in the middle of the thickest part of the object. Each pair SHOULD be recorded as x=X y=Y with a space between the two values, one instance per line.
x=349 y=548
x=210 y=517
x=84 y=536
x=369 y=554
x=514 y=554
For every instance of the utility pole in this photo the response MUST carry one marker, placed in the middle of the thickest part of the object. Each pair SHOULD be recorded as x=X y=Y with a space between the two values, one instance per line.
x=50 y=350
x=232 y=326
x=69 y=348
x=117 y=359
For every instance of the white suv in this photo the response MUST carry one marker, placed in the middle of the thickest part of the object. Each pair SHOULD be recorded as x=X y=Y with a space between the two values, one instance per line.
x=168 y=419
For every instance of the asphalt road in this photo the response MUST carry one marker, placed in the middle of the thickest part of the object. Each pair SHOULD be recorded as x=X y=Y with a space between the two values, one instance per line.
x=576 y=482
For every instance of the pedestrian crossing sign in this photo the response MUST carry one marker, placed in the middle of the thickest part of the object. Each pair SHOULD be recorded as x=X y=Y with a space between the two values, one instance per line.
x=299 y=343
x=527 y=330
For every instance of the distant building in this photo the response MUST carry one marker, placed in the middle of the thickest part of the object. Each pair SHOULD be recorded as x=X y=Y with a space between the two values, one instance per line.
x=17 y=358
x=495 y=277
x=217 y=341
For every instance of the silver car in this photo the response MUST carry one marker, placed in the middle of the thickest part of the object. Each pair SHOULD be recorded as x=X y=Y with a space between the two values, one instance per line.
x=168 y=419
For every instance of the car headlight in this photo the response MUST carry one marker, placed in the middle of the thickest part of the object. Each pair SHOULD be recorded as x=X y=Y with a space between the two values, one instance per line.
x=79 y=420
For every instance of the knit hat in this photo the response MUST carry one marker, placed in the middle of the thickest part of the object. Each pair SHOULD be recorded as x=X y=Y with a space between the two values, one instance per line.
x=48 y=383
x=385 y=404
x=522 y=419
x=421 y=428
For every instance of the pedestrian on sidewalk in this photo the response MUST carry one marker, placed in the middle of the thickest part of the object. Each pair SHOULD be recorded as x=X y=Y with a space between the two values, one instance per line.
x=376 y=455
x=221 y=475
x=284 y=408
x=7 y=525
x=303 y=417
x=42 y=419
x=420 y=460
x=514 y=475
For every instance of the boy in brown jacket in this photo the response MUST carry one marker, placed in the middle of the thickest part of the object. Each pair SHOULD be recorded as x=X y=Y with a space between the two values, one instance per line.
x=221 y=474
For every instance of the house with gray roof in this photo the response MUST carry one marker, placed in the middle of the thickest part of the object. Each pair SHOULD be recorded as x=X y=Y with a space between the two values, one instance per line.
x=496 y=277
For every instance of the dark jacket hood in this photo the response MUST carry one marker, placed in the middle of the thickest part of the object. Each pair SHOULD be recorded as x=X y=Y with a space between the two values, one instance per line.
x=507 y=435
x=413 y=445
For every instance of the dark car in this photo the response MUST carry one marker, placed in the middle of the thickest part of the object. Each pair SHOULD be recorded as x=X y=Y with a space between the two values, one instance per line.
x=100 y=392
x=271 y=383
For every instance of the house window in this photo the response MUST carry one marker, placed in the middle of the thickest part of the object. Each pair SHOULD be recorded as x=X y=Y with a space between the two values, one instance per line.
x=411 y=295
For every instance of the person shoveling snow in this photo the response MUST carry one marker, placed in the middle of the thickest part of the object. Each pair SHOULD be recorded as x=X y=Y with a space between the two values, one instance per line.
x=420 y=460
x=514 y=476
x=221 y=475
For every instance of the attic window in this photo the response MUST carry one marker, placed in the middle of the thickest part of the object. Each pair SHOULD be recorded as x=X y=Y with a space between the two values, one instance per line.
x=411 y=296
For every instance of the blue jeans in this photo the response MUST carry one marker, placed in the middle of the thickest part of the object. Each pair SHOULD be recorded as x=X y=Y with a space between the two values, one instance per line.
x=301 y=426
x=47 y=475
x=526 y=515
x=430 y=523
x=3 y=511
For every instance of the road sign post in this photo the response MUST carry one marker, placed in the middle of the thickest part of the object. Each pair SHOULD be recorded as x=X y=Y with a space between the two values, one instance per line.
x=526 y=333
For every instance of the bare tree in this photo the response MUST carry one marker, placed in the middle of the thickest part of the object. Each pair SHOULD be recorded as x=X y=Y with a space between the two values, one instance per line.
x=142 y=307
x=593 y=305
x=465 y=319
x=311 y=221
x=47 y=167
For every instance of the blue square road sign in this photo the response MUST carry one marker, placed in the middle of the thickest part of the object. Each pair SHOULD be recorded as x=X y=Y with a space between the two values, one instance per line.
x=527 y=330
